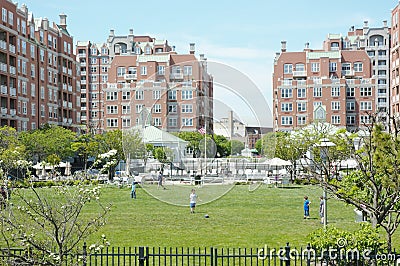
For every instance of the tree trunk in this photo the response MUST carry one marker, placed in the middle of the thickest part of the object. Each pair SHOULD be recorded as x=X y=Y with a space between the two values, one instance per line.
x=389 y=240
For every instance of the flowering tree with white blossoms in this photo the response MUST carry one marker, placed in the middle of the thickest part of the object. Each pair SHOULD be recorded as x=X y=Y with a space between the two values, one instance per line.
x=107 y=161
x=49 y=223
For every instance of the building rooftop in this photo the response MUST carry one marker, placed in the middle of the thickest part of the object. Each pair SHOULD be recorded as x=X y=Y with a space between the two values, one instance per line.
x=317 y=55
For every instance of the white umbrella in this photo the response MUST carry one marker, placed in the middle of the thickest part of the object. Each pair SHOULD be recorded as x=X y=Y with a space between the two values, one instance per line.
x=278 y=162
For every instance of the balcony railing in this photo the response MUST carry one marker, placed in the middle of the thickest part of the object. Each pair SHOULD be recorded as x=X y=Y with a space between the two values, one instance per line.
x=3 y=110
x=69 y=105
x=300 y=73
x=83 y=117
x=3 y=67
x=130 y=76
x=176 y=76
x=69 y=88
x=349 y=73
x=13 y=91
x=4 y=89
x=82 y=55
x=70 y=72
x=64 y=86
x=3 y=45
x=13 y=70
x=65 y=104
x=69 y=120
x=11 y=48
x=13 y=112
x=83 y=81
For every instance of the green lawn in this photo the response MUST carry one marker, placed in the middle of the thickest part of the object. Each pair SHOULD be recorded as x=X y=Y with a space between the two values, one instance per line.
x=240 y=218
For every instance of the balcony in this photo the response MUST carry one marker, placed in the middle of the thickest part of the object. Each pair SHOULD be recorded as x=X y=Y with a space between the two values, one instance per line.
x=82 y=55
x=3 y=45
x=64 y=86
x=83 y=91
x=382 y=104
x=83 y=100
x=4 y=89
x=69 y=88
x=176 y=76
x=65 y=120
x=70 y=72
x=83 y=81
x=301 y=83
x=382 y=95
x=70 y=105
x=348 y=73
x=13 y=70
x=83 y=73
x=3 y=67
x=83 y=118
x=65 y=104
x=83 y=109
x=300 y=73
x=83 y=64
x=130 y=76
x=13 y=112
x=13 y=92
x=3 y=110
x=69 y=120
x=11 y=48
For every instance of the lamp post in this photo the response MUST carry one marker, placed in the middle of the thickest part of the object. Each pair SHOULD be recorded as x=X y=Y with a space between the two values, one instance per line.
x=324 y=146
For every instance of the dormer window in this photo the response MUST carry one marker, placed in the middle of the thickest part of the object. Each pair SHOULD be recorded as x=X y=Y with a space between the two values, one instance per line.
x=93 y=51
x=148 y=50
x=137 y=50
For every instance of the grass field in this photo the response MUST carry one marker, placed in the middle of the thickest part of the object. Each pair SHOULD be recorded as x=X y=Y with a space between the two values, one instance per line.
x=238 y=217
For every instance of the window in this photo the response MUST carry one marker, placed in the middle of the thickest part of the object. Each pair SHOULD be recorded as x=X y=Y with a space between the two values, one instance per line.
x=287 y=120
x=157 y=108
x=172 y=122
x=350 y=106
x=112 y=109
x=23 y=67
x=148 y=50
x=126 y=109
x=41 y=73
x=161 y=70
x=287 y=93
x=301 y=120
x=286 y=107
x=358 y=67
x=24 y=108
x=371 y=53
x=112 y=122
x=187 y=108
x=301 y=93
x=41 y=52
x=126 y=95
x=137 y=50
x=187 y=122
x=50 y=111
x=365 y=92
x=172 y=108
x=187 y=70
x=143 y=70
x=171 y=95
x=365 y=119
x=24 y=85
x=287 y=68
x=335 y=105
x=301 y=106
x=42 y=109
x=139 y=95
x=131 y=70
x=315 y=67
x=126 y=122
x=32 y=70
x=287 y=82
x=317 y=92
x=346 y=68
x=93 y=60
x=104 y=69
x=156 y=94
x=349 y=92
x=111 y=95
x=120 y=71
x=42 y=92
x=139 y=108
x=10 y=18
x=93 y=69
x=187 y=94
x=300 y=67
x=350 y=119
x=335 y=91
x=4 y=14
x=33 y=125
x=365 y=106
x=104 y=78
x=157 y=121
x=335 y=119
x=32 y=51
x=33 y=90
x=93 y=51
x=332 y=66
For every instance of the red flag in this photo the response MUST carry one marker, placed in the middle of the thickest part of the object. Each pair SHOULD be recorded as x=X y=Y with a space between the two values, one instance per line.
x=202 y=130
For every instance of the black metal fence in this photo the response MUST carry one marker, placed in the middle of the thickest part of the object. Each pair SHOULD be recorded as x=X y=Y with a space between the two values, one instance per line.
x=285 y=256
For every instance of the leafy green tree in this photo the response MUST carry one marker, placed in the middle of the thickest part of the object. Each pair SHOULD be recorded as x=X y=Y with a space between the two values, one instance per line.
x=85 y=146
x=267 y=144
x=236 y=147
x=111 y=140
x=223 y=146
x=194 y=139
x=53 y=160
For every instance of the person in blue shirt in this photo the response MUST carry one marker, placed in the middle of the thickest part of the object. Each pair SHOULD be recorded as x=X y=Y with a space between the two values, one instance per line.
x=306 y=207
x=133 y=191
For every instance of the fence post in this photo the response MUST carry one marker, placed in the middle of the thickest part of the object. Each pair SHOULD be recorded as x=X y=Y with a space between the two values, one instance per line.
x=84 y=254
x=287 y=254
x=308 y=254
x=142 y=256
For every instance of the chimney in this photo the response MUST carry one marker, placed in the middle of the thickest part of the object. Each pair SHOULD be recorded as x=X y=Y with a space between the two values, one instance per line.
x=192 y=48
x=173 y=48
x=365 y=23
x=63 y=21
x=45 y=24
x=307 y=45
x=201 y=57
x=352 y=28
x=385 y=23
x=283 y=46
x=130 y=31
x=111 y=33
x=24 y=9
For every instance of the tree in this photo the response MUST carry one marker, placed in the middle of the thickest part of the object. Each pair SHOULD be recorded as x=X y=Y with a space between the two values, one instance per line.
x=85 y=146
x=267 y=144
x=111 y=140
x=49 y=223
x=223 y=146
x=374 y=187
x=236 y=147
x=194 y=139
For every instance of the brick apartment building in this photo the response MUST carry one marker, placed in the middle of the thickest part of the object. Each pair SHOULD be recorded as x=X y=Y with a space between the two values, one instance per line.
x=342 y=83
x=139 y=80
x=395 y=62
x=38 y=81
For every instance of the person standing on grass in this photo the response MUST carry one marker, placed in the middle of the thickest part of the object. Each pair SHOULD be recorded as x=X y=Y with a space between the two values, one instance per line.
x=321 y=208
x=133 y=191
x=193 y=199
x=160 y=180
x=306 y=207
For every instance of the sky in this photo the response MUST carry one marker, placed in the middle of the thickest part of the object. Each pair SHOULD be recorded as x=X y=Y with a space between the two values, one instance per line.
x=239 y=38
